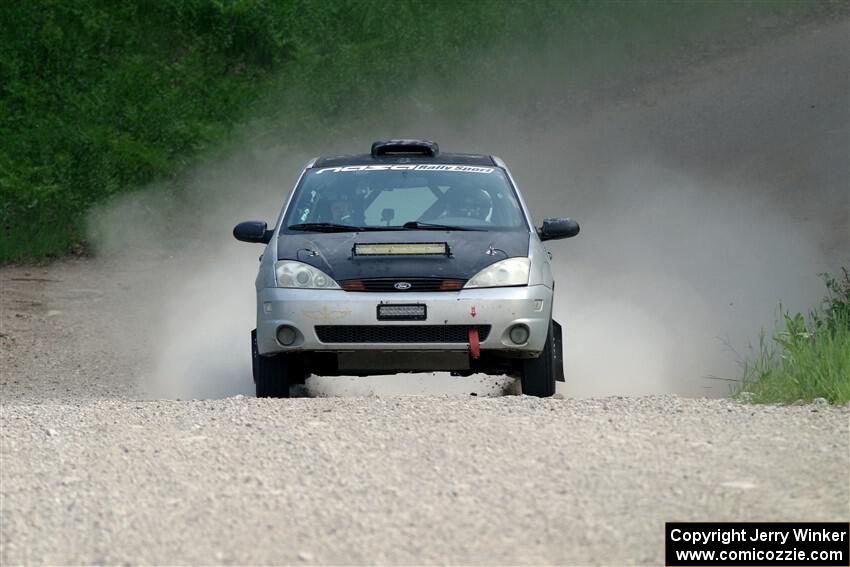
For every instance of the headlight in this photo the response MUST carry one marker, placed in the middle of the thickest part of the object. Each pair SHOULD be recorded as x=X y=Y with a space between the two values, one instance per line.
x=288 y=273
x=513 y=271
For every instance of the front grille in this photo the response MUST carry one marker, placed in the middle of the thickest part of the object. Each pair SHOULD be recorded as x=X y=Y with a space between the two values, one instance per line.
x=415 y=284
x=398 y=333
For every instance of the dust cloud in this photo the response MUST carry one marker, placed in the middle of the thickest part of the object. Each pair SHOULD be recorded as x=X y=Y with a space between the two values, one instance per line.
x=705 y=198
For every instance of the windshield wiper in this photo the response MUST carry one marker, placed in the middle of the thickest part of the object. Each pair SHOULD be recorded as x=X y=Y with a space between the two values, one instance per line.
x=411 y=225
x=334 y=227
x=416 y=225
x=324 y=227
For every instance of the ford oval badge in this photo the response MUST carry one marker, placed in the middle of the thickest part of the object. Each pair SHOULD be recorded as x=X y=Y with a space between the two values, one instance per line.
x=401 y=286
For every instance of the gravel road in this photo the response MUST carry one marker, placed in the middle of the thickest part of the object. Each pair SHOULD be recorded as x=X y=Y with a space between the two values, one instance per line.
x=408 y=480
x=94 y=471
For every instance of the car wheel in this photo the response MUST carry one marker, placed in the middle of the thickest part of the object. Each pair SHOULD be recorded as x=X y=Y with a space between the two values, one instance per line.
x=271 y=373
x=538 y=374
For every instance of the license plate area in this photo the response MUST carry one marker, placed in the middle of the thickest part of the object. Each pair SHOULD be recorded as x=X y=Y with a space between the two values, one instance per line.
x=402 y=312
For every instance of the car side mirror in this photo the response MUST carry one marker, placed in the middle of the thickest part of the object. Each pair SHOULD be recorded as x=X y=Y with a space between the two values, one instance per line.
x=253 y=231
x=554 y=229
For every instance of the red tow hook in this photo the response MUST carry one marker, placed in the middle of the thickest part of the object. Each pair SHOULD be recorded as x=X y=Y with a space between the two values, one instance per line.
x=474 y=347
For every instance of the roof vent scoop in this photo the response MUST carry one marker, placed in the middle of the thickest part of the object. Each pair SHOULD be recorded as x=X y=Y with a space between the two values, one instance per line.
x=405 y=148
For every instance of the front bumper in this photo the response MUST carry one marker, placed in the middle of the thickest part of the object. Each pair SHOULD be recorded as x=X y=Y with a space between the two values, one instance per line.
x=500 y=308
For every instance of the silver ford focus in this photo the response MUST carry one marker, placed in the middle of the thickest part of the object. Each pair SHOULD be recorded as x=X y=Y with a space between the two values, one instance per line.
x=405 y=260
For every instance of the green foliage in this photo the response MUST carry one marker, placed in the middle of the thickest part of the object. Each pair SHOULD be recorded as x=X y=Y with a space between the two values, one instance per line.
x=100 y=97
x=809 y=357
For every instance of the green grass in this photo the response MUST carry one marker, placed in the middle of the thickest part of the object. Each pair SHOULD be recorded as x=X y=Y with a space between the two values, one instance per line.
x=808 y=356
x=99 y=98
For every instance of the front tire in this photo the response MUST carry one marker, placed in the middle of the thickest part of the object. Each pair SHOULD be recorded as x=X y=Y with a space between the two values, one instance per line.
x=538 y=374
x=271 y=373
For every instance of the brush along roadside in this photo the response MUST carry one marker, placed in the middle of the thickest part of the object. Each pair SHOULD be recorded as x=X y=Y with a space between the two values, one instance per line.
x=808 y=356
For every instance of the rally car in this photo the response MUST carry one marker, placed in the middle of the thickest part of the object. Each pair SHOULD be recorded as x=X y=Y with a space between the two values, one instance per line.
x=405 y=259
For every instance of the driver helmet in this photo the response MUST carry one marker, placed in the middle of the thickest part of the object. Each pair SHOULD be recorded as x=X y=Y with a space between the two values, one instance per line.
x=335 y=207
x=340 y=210
x=468 y=202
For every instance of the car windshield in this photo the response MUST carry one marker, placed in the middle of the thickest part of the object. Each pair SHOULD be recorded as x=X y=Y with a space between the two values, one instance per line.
x=405 y=196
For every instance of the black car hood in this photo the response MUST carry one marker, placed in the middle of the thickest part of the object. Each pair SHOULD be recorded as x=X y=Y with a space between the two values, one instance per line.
x=470 y=251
